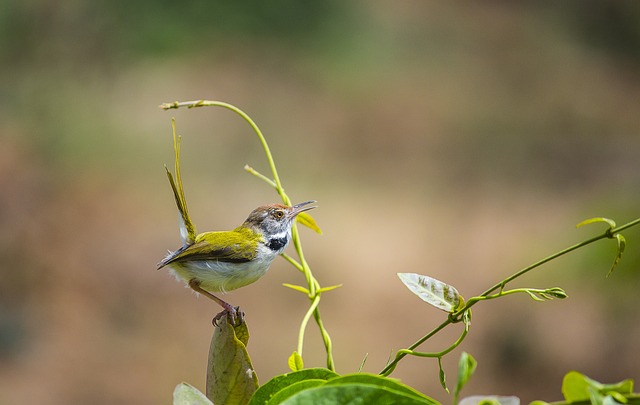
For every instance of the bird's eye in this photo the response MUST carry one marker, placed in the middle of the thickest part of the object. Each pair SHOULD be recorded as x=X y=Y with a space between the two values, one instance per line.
x=278 y=214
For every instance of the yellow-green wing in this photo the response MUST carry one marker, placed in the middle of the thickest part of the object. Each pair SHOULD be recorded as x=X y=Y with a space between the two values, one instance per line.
x=229 y=247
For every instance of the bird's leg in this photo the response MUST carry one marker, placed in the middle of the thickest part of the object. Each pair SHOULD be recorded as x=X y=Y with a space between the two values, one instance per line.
x=229 y=309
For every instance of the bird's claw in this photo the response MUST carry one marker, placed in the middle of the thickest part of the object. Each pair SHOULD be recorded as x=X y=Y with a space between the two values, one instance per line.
x=233 y=313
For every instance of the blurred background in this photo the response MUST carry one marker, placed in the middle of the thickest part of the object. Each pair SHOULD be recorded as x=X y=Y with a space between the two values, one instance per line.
x=463 y=141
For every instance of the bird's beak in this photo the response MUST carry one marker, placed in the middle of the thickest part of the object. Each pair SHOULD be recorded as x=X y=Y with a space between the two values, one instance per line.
x=298 y=208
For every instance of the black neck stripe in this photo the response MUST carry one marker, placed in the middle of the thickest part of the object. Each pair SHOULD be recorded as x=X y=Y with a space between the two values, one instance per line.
x=276 y=244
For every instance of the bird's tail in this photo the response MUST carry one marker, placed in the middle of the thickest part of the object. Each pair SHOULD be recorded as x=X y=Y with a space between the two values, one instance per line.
x=187 y=229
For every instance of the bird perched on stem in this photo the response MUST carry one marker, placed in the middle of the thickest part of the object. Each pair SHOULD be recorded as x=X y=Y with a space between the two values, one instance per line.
x=226 y=260
x=222 y=261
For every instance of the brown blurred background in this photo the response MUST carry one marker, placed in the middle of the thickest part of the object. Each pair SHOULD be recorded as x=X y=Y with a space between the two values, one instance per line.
x=463 y=141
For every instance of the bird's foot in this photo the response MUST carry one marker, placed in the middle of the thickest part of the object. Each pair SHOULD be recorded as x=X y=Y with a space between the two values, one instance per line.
x=233 y=313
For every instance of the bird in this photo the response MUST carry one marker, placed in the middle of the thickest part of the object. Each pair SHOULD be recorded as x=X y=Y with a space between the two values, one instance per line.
x=221 y=261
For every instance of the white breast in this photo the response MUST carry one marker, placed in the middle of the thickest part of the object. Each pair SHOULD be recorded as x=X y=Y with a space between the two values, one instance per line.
x=215 y=276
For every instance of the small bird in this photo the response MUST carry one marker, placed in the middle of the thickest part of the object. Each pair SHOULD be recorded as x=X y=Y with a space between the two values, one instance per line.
x=226 y=260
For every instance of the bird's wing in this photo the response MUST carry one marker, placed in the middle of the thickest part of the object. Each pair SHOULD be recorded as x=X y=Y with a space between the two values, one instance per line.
x=229 y=247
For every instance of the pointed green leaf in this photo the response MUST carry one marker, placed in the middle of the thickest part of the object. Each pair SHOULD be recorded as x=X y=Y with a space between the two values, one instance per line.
x=466 y=318
x=442 y=375
x=297 y=288
x=307 y=220
x=432 y=291
x=293 y=389
x=534 y=295
x=615 y=398
x=268 y=390
x=363 y=362
x=466 y=367
x=353 y=394
x=333 y=287
x=379 y=381
x=231 y=378
x=611 y=400
x=610 y=222
x=186 y=394
x=295 y=361
x=622 y=244
x=544 y=295
x=556 y=292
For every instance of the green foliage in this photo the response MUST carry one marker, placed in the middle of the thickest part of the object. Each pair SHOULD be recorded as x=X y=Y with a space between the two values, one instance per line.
x=276 y=384
x=621 y=241
x=231 y=378
x=313 y=290
x=186 y=394
x=466 y=367
x=295 y=361
x=319 y=386
x=432 y=291
x=304 y=218
x=577 y=387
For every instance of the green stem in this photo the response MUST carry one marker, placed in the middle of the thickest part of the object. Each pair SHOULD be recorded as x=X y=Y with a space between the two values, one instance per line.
x=399 y=356
x=263 y=141
x=292 y=261
x=440 y=353
x=305 y=321
x=326 y=339
x=455 y=317
x=260 y=176
x=302 y=264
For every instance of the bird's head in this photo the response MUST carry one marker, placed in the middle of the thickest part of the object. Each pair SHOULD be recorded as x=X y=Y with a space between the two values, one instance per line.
x=274 y=221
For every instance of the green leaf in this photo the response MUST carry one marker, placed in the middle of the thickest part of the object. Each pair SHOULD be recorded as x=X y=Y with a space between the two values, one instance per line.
x=442 y=375
x=432 y=291
x=379 y=381
x=610 y=400
x=297 y=288
x=364 y=360
x=332 y=287
x=624 y=387
x=543 y=295
x=622 y=243
x=293 y=389
x=231 y=378
x=556 y=292
x=578 y=387
x=615 y=397
x=534 y=295
x=268 y=390
x=575 y=386
x=353 y=394
x=307 y=220
x=466 y=367
x=186 y=394
x=295 y=361
x=610 y=222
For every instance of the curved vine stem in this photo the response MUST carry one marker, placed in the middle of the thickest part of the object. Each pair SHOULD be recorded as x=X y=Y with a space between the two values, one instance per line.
x=456 y=316
x=302 y=265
